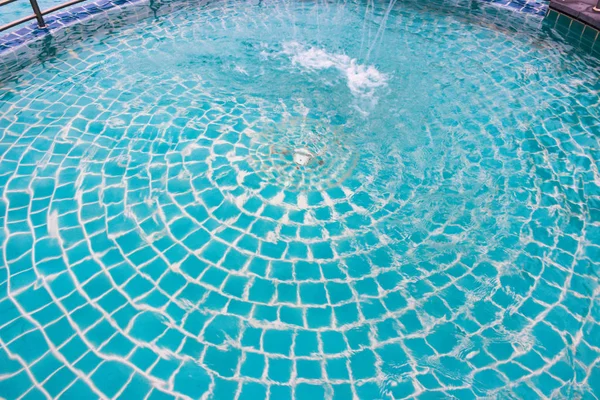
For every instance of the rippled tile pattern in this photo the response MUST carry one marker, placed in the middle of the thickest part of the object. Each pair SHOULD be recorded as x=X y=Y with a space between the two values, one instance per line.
x=535 y=7
x=239 y=201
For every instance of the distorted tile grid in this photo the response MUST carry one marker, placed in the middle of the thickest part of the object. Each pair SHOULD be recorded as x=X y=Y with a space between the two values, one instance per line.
x=170 y=229
x=535 y=7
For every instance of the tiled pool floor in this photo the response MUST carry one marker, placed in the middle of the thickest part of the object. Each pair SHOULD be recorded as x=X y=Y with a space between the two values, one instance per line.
x=251 y=200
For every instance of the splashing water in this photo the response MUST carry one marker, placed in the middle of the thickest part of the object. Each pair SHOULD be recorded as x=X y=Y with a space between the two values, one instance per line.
x=362 y=80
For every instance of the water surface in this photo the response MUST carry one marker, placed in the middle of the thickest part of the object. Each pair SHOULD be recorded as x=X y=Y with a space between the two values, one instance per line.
x=303 y=200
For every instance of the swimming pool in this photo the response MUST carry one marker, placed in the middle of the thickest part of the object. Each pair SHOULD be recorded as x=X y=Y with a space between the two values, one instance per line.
x=22 y=8
x=302 y=200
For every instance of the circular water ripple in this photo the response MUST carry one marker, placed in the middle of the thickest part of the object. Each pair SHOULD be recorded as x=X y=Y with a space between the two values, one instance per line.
x=164 y=237
x=300 y=157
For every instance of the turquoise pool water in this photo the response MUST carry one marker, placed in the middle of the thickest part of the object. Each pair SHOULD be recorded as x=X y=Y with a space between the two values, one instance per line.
x=22 y=8
x=302 y=200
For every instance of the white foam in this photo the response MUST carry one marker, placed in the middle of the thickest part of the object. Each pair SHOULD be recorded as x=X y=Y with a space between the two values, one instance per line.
x=361 y=79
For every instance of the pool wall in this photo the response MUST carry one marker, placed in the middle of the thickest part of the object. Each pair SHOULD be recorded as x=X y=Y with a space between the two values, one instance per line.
x=31 y=43
x=74 y=16
x=574 y=29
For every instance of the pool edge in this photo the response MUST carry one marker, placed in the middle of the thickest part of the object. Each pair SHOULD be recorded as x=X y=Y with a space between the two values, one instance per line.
x=56 y=22
x=573 y=28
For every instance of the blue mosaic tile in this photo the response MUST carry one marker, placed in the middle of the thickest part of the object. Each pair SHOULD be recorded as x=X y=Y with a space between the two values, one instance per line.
x=240 y=201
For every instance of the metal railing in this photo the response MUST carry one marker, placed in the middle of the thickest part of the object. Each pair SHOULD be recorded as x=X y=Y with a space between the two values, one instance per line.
x=37 y=13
